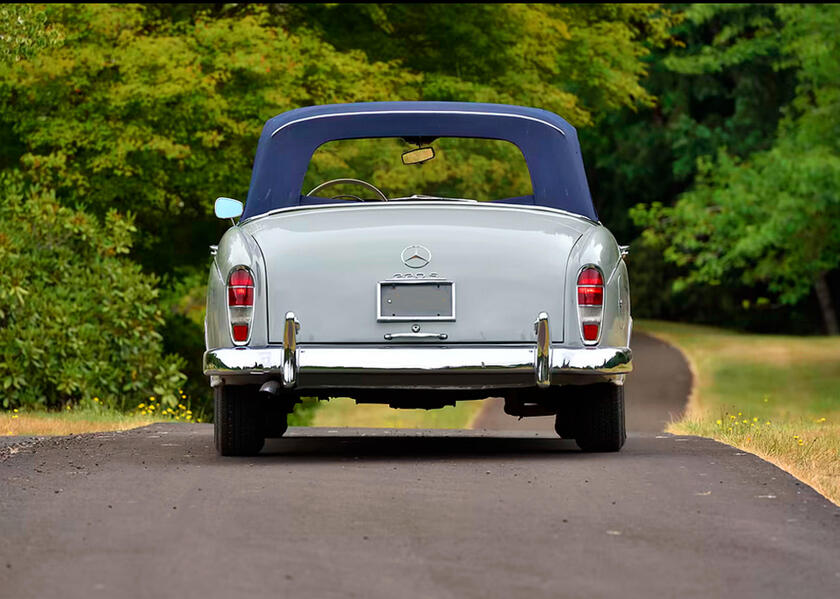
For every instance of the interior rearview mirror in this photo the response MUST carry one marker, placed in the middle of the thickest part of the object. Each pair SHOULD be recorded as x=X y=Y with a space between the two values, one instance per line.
x=228 y=208
x=418 y=156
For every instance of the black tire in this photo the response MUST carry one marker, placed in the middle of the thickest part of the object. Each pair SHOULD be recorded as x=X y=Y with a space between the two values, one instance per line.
x=565 y=422
x=238 y=421
x=276 y=417
x=599 y=418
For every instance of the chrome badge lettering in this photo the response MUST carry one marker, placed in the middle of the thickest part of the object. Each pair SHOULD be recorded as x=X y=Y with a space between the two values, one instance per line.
x=417 y=275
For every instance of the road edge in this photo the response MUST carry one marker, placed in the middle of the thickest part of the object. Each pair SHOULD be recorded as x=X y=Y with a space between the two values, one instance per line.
x=691 y=404
x=693 y=394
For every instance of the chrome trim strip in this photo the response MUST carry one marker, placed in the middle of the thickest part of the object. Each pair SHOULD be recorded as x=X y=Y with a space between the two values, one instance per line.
x=400 y=204
x=290 y=367
x=542 y=365
x=487 y=366
x=432 y=112
x=441 y=336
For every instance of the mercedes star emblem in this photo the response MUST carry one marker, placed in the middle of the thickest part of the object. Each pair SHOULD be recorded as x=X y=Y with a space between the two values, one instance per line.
x=416 y=256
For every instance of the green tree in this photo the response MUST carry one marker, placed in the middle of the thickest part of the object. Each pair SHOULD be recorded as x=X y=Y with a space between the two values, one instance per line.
x=581 y=61
x=651 y=154
x=772 y=218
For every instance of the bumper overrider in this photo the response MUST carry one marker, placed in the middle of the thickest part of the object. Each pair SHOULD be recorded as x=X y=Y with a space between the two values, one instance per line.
x=417 y=366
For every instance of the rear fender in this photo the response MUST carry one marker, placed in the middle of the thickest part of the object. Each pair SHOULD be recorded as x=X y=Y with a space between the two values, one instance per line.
x=236 y=248
x=598 y=247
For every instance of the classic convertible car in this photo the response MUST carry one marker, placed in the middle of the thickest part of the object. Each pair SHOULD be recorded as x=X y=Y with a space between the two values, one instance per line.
x=436 y=280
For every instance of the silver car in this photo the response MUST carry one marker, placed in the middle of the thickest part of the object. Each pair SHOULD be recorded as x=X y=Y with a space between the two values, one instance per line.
x=410 y=298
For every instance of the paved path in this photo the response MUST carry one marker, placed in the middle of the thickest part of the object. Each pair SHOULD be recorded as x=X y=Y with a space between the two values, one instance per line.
x=377 y=513
x=380 y=513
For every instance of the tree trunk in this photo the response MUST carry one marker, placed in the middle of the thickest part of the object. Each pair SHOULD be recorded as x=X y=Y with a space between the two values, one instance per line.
x=826 y=305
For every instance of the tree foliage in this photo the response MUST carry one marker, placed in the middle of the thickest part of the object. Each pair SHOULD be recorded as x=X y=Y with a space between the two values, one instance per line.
x=479 y=169
x=78 y=319
x=773 y=217
x=652 y=155
x=581 y=61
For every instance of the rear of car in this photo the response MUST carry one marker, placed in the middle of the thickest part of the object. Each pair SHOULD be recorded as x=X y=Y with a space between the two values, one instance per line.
x=418 y=303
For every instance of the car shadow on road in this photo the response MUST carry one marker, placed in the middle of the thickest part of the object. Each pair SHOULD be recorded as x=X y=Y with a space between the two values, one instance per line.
x=415 y=447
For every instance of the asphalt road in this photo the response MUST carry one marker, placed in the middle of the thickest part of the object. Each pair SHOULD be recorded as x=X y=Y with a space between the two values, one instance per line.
x=378 y=513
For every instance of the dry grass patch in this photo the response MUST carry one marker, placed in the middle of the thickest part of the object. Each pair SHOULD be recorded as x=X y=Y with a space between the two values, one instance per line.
x=344 y=412
x=15 y=423
x=776 y=396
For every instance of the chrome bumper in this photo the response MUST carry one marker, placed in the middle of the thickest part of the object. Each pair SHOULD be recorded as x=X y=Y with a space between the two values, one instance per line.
x=417 y=367
x=401 y=366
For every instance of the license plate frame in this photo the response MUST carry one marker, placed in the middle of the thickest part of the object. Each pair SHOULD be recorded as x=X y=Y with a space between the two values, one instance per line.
x=442 y=308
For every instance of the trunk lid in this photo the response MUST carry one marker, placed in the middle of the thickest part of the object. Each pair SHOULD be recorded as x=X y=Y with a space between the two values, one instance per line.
x=507 y=264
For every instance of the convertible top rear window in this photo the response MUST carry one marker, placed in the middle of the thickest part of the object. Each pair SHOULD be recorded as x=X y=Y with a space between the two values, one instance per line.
x=477 y=169
x=548 y=143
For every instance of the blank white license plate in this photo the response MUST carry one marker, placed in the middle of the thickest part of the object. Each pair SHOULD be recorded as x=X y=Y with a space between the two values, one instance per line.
x=416 y=300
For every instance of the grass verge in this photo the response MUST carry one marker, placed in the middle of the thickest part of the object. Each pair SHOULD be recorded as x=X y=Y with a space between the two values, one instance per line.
x=775 y=396
x=92 y=417
x=344 y=412
x=74 y=422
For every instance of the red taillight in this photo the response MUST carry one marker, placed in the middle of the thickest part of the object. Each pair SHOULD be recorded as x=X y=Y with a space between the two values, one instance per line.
x=240 y=332
x=240 y=296
x=240 y=303
x=241 y=278
x=590 y=276
x=590 y=298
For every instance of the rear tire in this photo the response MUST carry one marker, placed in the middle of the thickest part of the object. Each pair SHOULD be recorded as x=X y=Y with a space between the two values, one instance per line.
x=599 y=418
x=275 y=417
x=566 y=421
x=238 y=421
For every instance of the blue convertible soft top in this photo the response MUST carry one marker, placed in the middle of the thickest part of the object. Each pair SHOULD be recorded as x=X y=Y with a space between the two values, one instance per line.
x=549 y=144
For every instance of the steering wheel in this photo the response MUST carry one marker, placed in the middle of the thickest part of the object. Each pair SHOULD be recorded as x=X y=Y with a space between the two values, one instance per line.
x=332 y=182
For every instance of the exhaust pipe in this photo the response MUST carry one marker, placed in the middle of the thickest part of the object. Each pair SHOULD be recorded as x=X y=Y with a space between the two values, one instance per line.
x=271 y=387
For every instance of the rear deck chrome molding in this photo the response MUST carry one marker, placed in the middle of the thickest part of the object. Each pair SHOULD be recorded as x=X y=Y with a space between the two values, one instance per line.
x=424 y=203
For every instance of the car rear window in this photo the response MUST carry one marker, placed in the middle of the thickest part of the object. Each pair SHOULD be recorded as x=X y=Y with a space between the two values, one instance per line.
x=477 y=169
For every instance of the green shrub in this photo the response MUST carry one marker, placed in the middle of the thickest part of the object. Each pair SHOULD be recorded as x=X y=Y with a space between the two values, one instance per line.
x=77 y=318
x=182 y=302
x=304 y=414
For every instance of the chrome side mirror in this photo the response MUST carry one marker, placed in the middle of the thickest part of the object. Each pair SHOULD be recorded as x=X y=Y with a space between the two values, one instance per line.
x=228 y=208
